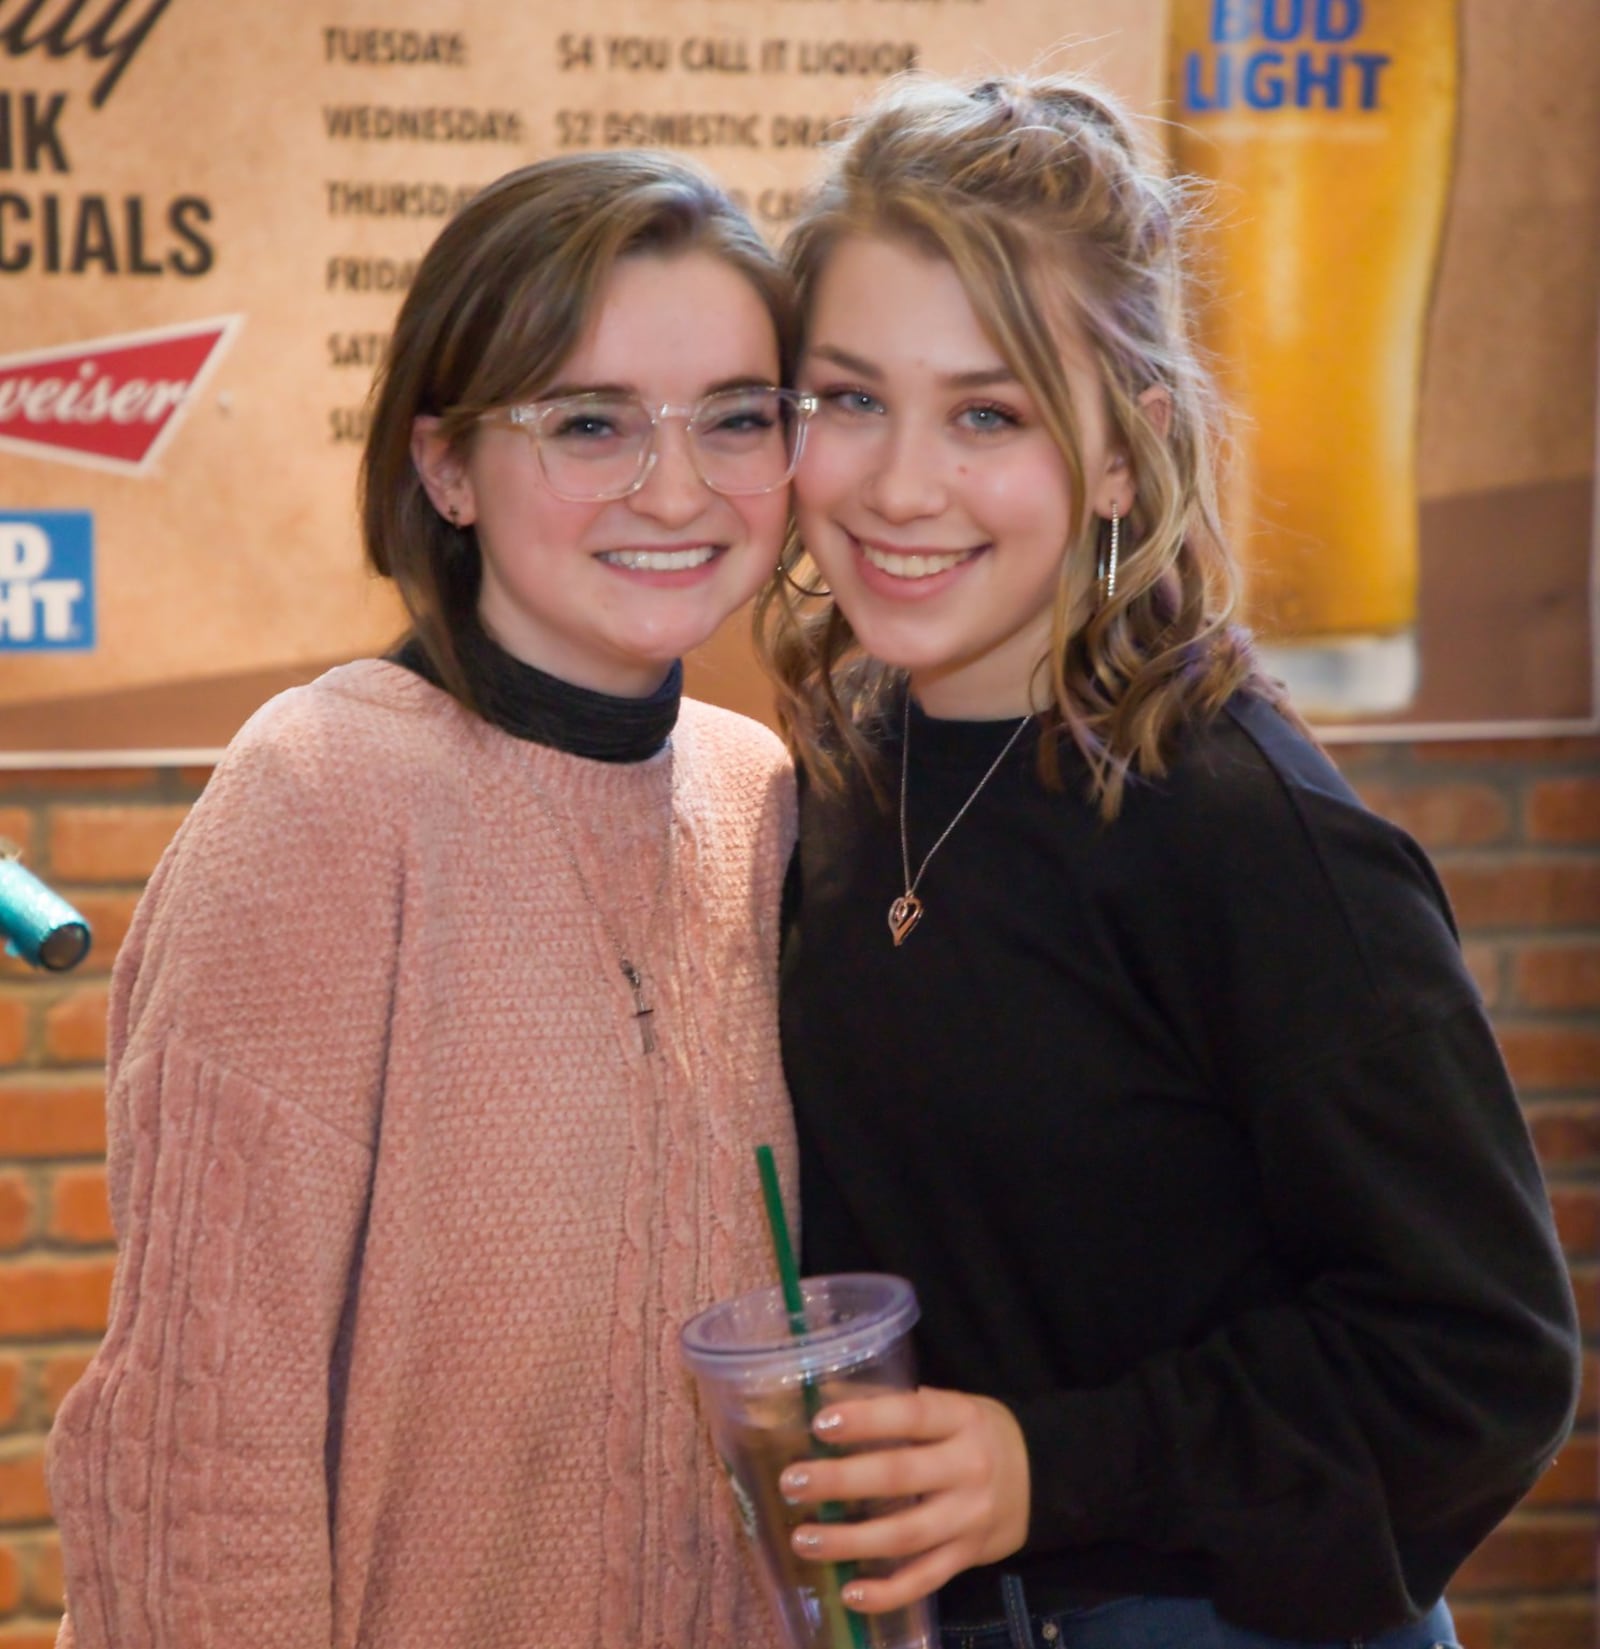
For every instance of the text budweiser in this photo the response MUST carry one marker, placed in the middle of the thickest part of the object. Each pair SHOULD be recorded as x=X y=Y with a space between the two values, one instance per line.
x=90 y=397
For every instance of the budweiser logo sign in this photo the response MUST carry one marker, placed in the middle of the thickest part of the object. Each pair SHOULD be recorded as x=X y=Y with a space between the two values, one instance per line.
x=112 y=403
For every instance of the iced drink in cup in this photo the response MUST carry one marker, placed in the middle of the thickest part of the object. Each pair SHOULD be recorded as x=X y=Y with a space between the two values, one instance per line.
x=761 y=1382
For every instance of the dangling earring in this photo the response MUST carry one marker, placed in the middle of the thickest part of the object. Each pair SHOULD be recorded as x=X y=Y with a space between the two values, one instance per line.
x=1106 y=569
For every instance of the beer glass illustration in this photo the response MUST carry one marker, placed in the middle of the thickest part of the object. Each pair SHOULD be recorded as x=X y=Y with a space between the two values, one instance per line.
x=1327 y=127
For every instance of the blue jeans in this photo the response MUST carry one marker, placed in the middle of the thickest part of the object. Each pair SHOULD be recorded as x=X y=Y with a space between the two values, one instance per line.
x=1174 y=1623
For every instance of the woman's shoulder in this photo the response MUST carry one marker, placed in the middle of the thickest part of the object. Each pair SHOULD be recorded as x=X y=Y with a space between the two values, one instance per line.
x=323 y=781
x=349 y=713
x=1247 y=779
x=1253 y=816
x=266 y=937
x=1267 y=856
x=359 y=739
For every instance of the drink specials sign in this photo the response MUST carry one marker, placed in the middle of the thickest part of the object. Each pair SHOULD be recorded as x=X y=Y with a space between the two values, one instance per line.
x=206 y=226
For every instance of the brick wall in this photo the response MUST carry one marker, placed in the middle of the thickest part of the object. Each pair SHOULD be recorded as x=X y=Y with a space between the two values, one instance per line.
x=95 y=836
x=1513 y=826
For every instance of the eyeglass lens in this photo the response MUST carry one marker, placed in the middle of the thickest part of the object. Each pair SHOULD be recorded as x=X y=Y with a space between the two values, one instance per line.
x=597 y=446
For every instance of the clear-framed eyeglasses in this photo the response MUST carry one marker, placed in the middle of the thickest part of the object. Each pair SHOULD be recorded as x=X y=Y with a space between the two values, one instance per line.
x=601 y=446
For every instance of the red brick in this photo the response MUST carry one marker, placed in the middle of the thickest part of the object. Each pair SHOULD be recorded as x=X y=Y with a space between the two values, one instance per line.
x=1574 y=1477
x=10 y=1391
x=1478 y=1626
x=1442 y=815
x=75 y=1027
x=16 y=1210
x=1554 y=1623
x=1586 y=1287
x=1589 y=1390
x=23 y=1498
x=1484 y=962
x=1577 y=1211
x=17 y=828
x=1566 y=1133
x=54 y=780
x=1564 y=810
x=1357 y=753
x=48 y=1298
x=1548 y=1057
x=44 y=1589
x=52 y=1119
x=1573 y=751
x=1533 y=1551
x=79 y=1212
x=10 y=1580
x=108 y=916
x=13 y=1029
x=110 y=844
x=27 y=1637
x=1523 y=891
x=61 y=1373
x=1558 y=977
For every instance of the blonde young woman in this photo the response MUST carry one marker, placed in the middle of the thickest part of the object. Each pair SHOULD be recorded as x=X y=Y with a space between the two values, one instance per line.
x=444 y=1031
x=1111 y=1018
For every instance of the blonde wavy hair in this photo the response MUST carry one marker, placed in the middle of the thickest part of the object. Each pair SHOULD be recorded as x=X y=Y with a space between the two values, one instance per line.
x=1036 y=192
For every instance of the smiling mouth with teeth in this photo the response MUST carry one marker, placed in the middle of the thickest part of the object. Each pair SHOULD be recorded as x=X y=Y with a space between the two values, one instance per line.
x=659 y=561
x=914 y=566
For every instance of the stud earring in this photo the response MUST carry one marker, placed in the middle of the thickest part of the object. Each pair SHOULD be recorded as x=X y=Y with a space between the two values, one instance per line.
x=454 y=513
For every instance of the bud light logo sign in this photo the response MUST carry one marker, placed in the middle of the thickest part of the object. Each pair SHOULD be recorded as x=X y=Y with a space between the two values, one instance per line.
x=1286 y=54
x=47 y=582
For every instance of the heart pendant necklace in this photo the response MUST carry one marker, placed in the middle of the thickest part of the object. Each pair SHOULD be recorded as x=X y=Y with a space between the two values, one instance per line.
x=904 y=914
x=906 y=910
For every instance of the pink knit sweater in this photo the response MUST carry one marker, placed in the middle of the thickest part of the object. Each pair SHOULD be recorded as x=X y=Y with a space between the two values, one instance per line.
x=408 y=1222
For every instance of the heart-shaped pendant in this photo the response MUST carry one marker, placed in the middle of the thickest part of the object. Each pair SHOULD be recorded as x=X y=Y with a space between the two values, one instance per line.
x=904 y=914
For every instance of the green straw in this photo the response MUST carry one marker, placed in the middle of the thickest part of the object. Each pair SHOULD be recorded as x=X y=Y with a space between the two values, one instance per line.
x=788 y=1272
x=841 y=1620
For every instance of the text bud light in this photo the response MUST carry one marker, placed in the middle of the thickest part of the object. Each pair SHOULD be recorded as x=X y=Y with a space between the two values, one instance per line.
x=46 y=581
x=1285 y=54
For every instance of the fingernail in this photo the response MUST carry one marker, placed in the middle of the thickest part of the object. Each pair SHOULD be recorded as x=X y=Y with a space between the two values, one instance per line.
x=853 y=1594
x=828 y=1421
x=807 y=1542
x=794 y=1483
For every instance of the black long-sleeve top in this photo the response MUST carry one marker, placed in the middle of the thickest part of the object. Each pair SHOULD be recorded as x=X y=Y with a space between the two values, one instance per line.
x=1192 y=1134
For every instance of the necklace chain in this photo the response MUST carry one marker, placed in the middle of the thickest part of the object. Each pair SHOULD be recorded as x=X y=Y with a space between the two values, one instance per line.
x=642 y=1011
x=906 y=911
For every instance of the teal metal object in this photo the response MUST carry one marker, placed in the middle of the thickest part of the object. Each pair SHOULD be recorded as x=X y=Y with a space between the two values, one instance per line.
x=39 y=926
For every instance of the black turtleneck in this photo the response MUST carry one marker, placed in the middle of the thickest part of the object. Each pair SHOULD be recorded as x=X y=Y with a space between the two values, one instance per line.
x=530 y=703
x=1191 y=1133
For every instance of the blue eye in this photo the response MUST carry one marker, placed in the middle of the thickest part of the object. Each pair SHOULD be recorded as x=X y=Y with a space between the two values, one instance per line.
x=851 y=403
x=740 y=423
x=989 y=420
x=582 y=426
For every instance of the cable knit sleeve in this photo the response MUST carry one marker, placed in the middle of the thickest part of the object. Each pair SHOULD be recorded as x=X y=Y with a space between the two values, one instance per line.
x=188 y=1467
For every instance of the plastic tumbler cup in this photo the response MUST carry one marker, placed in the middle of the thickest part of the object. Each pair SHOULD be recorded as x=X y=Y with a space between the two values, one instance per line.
x=761 y=1382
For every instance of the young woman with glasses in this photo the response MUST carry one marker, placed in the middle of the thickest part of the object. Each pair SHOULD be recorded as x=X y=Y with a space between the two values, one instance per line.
x=1111 y=1018
x=445 y=1028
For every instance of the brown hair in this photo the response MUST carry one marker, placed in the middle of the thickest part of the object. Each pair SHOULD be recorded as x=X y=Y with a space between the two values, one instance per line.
x=1036 y=193
x=499 y=301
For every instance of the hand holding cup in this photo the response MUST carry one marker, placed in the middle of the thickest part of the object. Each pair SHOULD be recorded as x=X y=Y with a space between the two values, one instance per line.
x=954 y=1465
